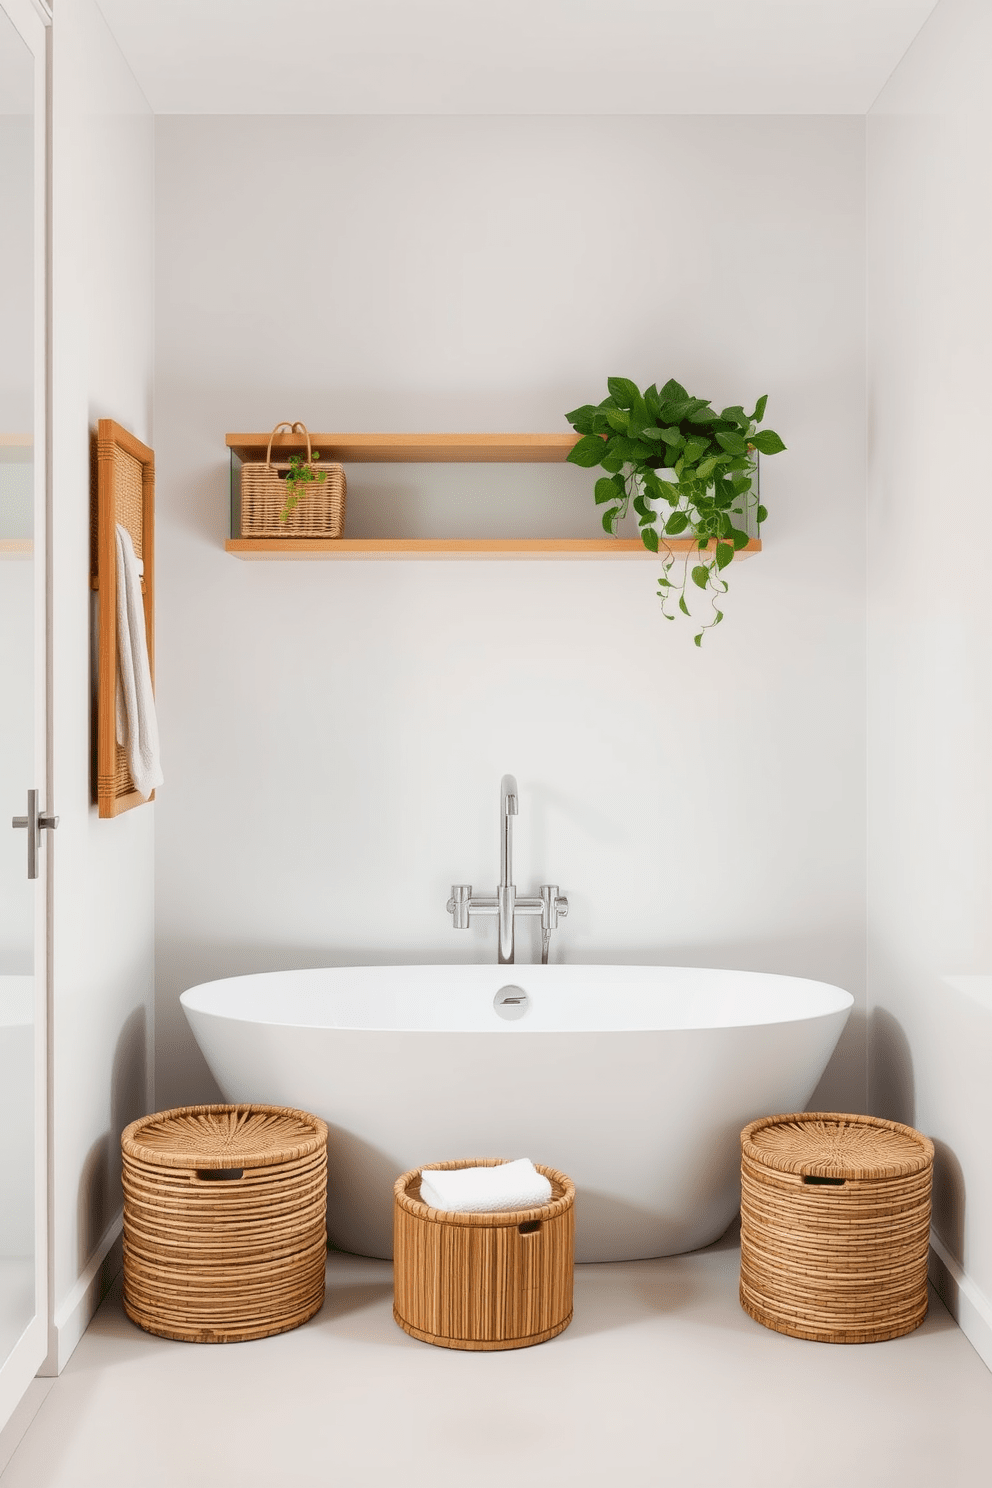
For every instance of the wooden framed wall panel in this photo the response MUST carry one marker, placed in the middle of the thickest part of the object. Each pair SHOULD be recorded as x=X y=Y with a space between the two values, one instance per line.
x=125 y=494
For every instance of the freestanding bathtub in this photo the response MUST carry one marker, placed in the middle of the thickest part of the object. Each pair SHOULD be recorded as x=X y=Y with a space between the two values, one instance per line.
x=634 y=1080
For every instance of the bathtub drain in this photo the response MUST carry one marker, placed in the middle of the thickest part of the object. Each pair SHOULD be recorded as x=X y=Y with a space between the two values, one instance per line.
x=511 y=1002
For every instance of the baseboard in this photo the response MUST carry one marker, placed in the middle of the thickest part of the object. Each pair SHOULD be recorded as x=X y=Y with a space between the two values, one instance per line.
x=969 y=1307
x=73 y=1317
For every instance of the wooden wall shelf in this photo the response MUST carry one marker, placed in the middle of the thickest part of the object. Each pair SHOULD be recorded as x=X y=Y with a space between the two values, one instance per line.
x=274 y=549
x=468 y=449
x=406 y=449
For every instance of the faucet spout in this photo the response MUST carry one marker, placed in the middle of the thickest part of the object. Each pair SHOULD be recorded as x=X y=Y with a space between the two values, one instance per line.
x=506 y=894
x=508 y=798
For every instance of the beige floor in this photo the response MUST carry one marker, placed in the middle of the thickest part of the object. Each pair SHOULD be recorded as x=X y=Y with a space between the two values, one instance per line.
x=661 y=1379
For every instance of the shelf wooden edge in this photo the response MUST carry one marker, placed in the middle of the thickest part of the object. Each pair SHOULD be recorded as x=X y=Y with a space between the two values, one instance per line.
x=274 y=549
x=434 y=449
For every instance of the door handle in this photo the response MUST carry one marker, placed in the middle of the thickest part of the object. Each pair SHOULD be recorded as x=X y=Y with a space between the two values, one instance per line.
x=35 y=823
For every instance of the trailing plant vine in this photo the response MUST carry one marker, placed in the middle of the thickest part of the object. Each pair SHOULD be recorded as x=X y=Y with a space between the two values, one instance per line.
x=301 y=473
x=686 y=469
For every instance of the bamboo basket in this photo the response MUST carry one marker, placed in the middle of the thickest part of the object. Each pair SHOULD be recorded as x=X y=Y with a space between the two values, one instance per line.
x=835 y=1226
x=224 y=1221
x=483 y=1281
x=319 y=511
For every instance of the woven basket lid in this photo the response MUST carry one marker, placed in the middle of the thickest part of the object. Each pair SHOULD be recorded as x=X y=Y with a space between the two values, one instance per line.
x=223 y=1136
x=832 y=1145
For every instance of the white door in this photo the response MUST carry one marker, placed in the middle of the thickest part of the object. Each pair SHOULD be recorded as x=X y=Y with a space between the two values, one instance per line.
x=24 y=773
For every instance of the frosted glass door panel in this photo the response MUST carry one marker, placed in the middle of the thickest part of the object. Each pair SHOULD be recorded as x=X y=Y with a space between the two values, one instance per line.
x=18 y=762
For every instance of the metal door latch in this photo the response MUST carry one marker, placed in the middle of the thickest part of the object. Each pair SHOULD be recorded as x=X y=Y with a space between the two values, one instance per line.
x=35 y=823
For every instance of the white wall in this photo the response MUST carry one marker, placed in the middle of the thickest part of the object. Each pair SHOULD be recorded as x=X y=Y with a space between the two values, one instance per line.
x=103 y=153
x=334 y=734
x=930 y=628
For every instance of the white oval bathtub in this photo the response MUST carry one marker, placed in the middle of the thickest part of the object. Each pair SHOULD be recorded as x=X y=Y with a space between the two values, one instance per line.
x=634 y=1080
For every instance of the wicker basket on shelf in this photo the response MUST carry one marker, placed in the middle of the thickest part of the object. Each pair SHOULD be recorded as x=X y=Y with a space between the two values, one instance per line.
x=319 y=512
x=224 y=1221
x=835 y=1226
x=500 y=1280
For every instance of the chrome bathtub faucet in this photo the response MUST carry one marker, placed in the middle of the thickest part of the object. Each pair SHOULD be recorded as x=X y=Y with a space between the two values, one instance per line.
x=551 y=905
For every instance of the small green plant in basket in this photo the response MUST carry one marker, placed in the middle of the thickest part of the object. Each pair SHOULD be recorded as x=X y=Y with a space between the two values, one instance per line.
x=302 y=472
x=688 y=471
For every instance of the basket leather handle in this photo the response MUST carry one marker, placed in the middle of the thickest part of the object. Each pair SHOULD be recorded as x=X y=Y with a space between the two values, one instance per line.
x=292 y=429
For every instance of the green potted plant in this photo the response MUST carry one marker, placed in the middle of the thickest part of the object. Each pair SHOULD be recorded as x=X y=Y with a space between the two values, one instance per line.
x=687 y=470
x=302 y=472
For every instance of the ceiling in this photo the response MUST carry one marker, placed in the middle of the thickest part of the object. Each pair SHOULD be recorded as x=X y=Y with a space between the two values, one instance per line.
x=513 y=56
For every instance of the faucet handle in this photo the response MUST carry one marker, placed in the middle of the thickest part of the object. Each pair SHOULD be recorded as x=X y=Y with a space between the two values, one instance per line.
x=554 y=907
x=457 y=905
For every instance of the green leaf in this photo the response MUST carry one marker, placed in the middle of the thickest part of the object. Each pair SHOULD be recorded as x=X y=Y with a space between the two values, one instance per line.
x=588 y=451
x=719 y=617
x=628 y=449
x=673 y=392
x=734 y=444
x=613 y=461
x=724 y=554
x=653 y=486
x=759 y=409
x=652 y=400
x=739 y=539
x=649 y=538
x=607 y=490
x=609 y=521
x=767 y=441
x=673 y=437
x=581 y=418
x=694 y=448
x=623 y=392
x=700 y=576
x=676 y=523
x=735 y=415
x=762 y=514
x=618 y=420
x=650 y=431
x=682 y=605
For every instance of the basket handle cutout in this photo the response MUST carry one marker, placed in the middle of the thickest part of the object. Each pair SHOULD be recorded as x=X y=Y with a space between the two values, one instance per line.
x=292 y=429
x=531 y=1227
x=219 y=1175
x=817 y=1178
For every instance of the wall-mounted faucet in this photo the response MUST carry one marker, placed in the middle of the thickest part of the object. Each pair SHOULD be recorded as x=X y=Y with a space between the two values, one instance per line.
x=551 y=905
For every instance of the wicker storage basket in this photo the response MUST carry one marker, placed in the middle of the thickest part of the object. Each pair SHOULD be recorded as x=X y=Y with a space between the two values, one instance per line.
x=835 y=1226
x=319 y=511
x=224 y=1221
x=483 y=1281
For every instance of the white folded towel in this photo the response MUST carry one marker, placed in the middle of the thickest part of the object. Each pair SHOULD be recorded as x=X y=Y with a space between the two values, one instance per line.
x=137 y=726
x=512 y=1185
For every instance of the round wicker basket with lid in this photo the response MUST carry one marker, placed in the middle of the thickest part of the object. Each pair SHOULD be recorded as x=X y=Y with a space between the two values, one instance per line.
x=224 y=1221
x=835 y=1226
x=483 y=1281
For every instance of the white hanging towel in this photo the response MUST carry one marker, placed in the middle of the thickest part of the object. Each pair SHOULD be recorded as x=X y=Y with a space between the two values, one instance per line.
x=512 y=1185
x=137 y=726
